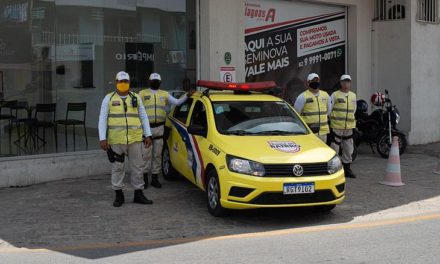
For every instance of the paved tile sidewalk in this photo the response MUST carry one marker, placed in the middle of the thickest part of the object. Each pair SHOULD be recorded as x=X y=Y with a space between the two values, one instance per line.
x=80 y=211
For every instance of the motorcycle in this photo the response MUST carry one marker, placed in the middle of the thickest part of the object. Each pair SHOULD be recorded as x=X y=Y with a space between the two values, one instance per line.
x=379 y=127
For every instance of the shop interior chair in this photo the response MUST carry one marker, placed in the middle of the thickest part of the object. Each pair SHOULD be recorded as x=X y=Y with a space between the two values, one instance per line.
x=74 y=107
x=26 y=121
x=43 y=121
x=9 y=117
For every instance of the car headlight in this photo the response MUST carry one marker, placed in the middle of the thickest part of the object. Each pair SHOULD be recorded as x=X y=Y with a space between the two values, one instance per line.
x=245 y=166
x=334 y=165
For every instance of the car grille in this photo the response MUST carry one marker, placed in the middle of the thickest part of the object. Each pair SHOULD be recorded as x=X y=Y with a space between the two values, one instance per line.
x=319 y=196
x=286 y=170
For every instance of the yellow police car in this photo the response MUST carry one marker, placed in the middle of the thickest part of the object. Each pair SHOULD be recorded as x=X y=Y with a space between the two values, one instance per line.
x=248 y=149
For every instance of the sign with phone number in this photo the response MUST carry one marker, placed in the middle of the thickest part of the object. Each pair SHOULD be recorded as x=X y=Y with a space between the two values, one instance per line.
x=320 y=58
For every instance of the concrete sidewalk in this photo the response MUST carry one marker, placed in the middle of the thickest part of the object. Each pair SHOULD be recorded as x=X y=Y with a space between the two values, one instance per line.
x=80 y=212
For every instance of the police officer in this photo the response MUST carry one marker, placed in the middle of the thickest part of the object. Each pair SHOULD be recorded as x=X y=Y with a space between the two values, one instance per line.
x=156 y=101
x=124 y=130
x=313 y=105
x=342 y=122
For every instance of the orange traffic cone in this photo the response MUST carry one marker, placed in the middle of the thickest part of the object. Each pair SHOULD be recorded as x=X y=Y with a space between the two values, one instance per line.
x=393 y=176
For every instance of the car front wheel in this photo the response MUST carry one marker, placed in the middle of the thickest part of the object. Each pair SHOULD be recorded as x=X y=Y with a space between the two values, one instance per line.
x=213 y=195
x=168 y=171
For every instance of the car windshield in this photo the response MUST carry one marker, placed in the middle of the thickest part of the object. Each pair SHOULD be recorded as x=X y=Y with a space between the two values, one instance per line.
x=257 y=118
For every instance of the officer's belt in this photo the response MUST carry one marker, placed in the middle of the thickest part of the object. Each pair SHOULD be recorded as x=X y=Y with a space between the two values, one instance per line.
x=157 y=124
x=342 y=137
x=343 y=110
x=342 y=119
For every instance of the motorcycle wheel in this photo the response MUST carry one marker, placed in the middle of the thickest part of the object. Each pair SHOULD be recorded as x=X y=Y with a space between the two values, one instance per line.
x=384 y=146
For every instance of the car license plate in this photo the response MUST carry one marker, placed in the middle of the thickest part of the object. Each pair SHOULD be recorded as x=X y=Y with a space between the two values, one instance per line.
x=297 y=188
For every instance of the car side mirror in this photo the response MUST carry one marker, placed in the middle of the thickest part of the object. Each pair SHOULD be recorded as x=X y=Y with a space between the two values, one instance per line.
x=315 y=130
x=197 y=130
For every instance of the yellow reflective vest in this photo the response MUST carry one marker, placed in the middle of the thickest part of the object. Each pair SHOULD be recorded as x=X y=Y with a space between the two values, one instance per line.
x=123 y=122
x=342 y=115
x=155 y=105
x=315 y=110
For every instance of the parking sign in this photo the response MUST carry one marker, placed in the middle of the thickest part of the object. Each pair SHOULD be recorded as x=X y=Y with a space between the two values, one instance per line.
x=227 y=74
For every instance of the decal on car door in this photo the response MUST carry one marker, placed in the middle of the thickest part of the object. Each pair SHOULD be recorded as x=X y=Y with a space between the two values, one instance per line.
x=195 y=161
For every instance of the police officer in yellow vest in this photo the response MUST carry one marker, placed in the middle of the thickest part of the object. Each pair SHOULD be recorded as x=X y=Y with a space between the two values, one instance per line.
x=124 y=130
x=313 y=105
x=342 y=122
x=155 y=101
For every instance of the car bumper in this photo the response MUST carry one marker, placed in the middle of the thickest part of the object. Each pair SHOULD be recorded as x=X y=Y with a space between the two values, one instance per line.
x=246 y=192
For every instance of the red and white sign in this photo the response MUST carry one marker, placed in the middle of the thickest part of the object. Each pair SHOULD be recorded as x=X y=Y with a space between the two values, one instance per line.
x=227 y=74
x=286 y=40
x=258 y=12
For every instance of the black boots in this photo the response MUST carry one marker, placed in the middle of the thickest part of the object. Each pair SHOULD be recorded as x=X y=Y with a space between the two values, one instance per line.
x=348 y=172
x=155 y=182
x=145 y=180
x=119 y=200
x=140 y=198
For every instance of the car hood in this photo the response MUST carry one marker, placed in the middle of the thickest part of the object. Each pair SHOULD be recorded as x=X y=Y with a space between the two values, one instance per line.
x=277 y=149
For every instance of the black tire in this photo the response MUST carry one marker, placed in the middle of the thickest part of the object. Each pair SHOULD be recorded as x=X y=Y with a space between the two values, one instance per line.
x=325 y=208
x=168 y=171
x=213 y=195
x=383 y=146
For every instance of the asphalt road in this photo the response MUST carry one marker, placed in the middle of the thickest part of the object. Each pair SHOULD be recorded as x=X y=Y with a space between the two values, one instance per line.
x=403 y=240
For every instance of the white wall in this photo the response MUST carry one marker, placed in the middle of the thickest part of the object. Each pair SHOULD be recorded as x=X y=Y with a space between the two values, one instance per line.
x=392 y=64
x=425 y=81
x=221 y=30
x=28 y=170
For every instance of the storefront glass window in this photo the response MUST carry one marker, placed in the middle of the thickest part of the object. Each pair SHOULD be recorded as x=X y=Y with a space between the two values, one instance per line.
x=59 y=56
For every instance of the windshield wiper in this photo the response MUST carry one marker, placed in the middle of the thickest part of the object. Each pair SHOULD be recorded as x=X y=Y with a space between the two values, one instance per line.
x=279 y=132
x=238 y=132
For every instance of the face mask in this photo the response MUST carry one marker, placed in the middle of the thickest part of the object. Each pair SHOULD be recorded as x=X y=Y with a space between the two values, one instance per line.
x=155 y=84
x=314 y=85
x=346 y=86
x=123 y=87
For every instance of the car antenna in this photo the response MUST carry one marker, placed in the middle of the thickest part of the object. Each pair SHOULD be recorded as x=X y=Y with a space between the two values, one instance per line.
x=205 y=93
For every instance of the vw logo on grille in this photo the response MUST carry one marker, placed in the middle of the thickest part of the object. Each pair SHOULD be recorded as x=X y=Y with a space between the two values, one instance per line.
x=298 y=170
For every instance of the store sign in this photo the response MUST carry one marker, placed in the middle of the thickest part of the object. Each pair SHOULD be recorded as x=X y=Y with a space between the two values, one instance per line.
x=135 y=56
x=139 y=62
x=257 y=12
x=227 y=74
x=297 y=39
x=320 y=37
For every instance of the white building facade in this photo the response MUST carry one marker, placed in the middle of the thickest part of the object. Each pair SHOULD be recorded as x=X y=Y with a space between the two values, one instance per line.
x=69 y=51
x=398 y=51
